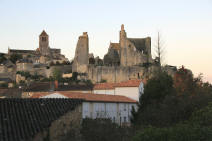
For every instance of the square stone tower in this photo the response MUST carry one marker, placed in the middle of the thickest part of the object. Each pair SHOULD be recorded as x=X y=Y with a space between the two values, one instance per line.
x=44 y=44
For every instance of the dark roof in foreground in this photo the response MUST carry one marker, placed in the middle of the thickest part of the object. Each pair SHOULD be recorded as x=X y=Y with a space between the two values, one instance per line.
x=22 y=119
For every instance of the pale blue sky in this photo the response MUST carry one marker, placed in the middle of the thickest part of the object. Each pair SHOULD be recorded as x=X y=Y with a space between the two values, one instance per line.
x=186 y=26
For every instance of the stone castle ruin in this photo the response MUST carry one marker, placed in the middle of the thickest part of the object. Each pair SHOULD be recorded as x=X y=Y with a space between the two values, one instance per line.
x=124 y=60
x=130 y=58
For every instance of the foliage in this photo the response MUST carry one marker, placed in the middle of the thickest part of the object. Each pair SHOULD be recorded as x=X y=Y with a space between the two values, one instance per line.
x=104 y=130
x=103 y=81
x=74 y=76
x=15 y=57
x=180 y=132
x=26 y=74
x=57 y=74
x=156 y=89
x=202 y=117
x=4 y=85
x=2 y=58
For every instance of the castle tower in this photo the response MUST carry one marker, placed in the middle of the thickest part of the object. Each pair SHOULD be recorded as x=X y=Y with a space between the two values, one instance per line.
x=81 y=59
x=123 y=49
x=44 y=44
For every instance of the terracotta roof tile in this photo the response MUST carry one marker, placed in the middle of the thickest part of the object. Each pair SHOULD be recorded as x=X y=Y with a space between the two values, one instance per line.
x=88 y=96
x=130 y=83
x=103 y=86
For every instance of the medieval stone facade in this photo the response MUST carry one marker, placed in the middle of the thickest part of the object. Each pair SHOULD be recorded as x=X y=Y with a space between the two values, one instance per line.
x=125 y=60
x=44 y=54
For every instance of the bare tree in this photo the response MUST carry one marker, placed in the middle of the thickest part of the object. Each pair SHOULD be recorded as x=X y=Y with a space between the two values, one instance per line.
x=159 y=49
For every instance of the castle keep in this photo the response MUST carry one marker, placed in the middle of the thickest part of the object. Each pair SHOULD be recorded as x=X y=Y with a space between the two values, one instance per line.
x=124 y=60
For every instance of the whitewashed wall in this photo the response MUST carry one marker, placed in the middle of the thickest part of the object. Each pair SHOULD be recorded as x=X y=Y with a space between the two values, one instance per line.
x=131 y=92
x=117 y=112
x=109 y=92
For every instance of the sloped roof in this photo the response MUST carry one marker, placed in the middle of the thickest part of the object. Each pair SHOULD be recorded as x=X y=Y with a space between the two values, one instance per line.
x=22 y=119
x=103 y=86
x=130 y=83
x=88 y=96
x=43 y=33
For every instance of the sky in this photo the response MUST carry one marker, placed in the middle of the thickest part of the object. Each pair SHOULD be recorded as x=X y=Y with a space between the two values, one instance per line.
x=185 y=26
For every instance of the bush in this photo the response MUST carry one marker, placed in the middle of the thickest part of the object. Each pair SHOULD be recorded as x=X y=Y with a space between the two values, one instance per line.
x=180 y=132
x=104 y=130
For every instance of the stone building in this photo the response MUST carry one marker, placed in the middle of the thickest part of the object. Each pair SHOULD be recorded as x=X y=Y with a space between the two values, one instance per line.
x=124 y=60
x=115 y=107
x=43 y=54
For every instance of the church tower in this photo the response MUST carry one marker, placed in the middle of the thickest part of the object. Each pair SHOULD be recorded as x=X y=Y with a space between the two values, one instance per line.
x=44 y=44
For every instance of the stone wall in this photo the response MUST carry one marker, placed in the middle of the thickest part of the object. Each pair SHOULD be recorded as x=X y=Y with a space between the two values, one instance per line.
x=116 y=74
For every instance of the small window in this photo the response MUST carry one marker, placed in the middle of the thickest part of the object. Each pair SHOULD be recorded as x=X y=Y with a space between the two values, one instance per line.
x=44 y=39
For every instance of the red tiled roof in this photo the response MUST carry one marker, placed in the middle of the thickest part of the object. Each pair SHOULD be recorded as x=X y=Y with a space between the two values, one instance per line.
x=103 y=86
x=88 y=96
x=130 y=83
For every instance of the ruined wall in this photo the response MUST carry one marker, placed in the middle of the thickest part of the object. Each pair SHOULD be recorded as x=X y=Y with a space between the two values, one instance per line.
x=81 y=59
x=115 y=74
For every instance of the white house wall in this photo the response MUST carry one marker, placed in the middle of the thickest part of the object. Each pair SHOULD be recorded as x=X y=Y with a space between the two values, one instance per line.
x=117 y=112
x=131 y=92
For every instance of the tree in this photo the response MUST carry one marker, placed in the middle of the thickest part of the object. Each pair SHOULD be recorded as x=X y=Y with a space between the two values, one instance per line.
x=2 y=58
x=57 y=74
x=156 y=89
x=159 y=49
x=180 y=132
x=15 y=57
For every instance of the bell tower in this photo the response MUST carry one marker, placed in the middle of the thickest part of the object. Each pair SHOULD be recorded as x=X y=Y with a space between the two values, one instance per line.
x=44 y=44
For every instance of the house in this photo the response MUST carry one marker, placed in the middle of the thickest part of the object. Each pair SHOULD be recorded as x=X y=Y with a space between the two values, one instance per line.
x=38 y=119
x=116 y=107
x=104 y=88
x=130 y=88
x=52 y=86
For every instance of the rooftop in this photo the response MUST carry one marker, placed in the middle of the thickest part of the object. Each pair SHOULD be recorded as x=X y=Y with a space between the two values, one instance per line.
x=22 y=119
x=86 y=96
x=108 y=86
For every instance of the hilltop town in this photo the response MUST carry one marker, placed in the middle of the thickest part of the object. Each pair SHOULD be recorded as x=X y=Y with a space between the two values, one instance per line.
x=130 y=58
